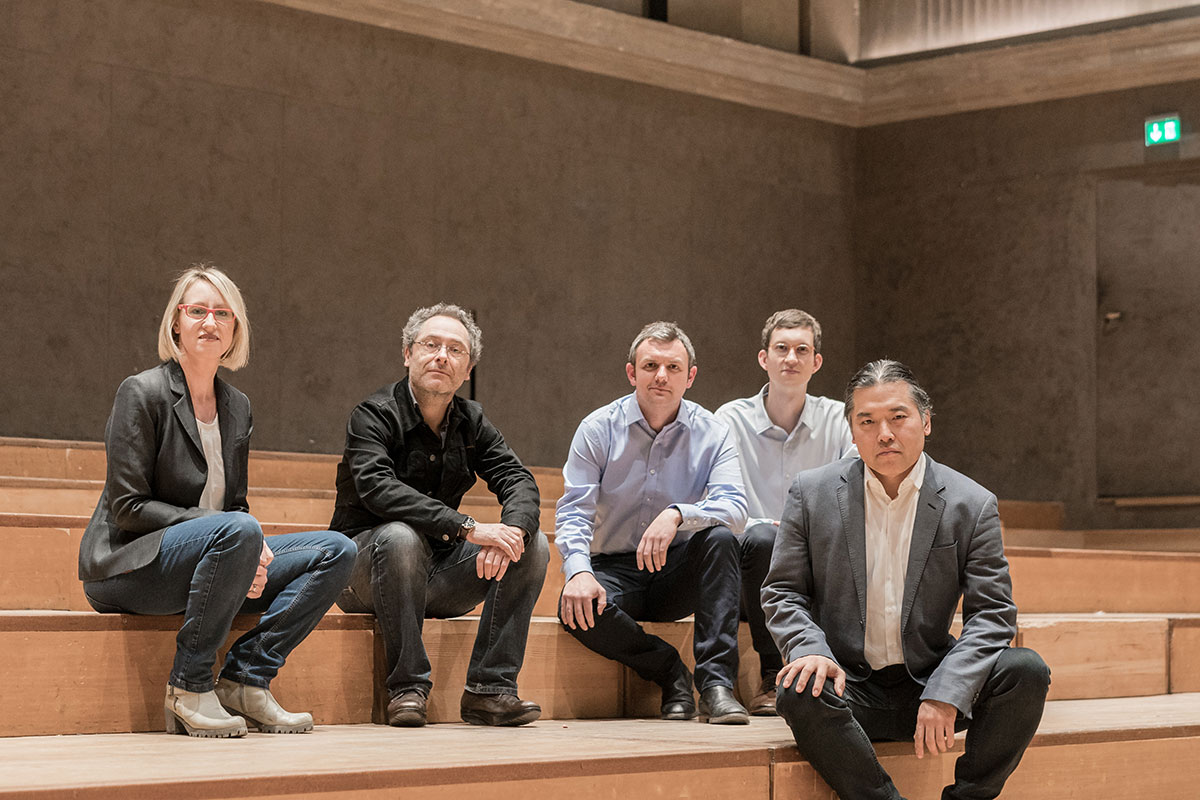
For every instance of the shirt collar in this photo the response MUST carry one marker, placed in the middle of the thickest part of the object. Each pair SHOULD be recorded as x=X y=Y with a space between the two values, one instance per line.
x=633 y=414
x=913 y=480
x=762 y=420
x=758 y=414
x=413 y=419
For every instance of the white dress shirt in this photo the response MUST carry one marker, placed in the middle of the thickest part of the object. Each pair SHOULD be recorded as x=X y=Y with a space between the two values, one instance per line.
x=889 y=527
x=770 y=456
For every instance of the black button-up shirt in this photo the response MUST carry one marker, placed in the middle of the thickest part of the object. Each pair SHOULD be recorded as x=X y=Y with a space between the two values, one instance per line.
x=396 y=469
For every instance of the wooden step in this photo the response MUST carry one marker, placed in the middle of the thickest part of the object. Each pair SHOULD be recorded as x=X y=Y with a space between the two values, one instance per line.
x=1032 y=514
x=54 y=458
x=1152 y=539
x=71 y=672
x=311 y=507
x=1135 y=748
x=39 y=570
x=1053 y=580
x=107 y=672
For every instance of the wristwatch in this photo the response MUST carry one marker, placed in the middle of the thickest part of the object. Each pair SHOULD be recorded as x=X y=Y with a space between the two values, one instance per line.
x=467 y=527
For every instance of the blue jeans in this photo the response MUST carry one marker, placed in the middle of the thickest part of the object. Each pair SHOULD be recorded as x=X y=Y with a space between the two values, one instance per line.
x=757 y=544
x=701 y=577
x=204 y=569
x=835 y=733
x=403 y=580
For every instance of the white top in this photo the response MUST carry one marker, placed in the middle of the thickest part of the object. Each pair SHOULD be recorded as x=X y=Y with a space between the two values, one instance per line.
x=770 y=456
x=213 y=495
x=889 y=526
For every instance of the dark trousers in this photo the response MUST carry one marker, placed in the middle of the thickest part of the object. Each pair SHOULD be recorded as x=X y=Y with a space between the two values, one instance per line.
x=834 y=733
x=757 y=543
x=400 y=578
x=701 y=577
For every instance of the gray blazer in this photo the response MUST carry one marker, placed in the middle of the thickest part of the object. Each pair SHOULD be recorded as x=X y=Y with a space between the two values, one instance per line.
x=815 y=595
x=157 y=470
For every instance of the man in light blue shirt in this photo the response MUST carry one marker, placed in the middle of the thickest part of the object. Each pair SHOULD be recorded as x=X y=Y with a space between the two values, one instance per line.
x=779 y=431
x=645 y=527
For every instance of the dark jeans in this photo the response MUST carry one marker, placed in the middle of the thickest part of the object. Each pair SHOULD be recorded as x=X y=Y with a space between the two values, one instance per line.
x=400 y=578
x=701 y=577
x=834 y=733
x=204 y=569
x=757 y=543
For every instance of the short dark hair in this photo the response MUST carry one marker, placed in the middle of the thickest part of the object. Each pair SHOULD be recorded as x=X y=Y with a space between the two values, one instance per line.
x=886 y=370
x=792 y=318
x=665 y=332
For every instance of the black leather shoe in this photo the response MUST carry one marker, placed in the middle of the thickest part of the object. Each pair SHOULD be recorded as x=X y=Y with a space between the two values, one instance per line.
x=719 y=706
x=498 y=709
x=407 y=710
x=678 y=702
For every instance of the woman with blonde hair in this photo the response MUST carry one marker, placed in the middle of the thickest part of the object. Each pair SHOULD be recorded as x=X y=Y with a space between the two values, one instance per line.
x=172 y=532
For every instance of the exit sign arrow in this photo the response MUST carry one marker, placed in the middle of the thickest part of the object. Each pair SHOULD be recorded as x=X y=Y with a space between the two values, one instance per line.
x=1162 y=129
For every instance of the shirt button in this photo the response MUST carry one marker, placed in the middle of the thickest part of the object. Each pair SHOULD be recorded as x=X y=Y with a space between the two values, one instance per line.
x=433 y=456
x=445 y=538
x=651 y=472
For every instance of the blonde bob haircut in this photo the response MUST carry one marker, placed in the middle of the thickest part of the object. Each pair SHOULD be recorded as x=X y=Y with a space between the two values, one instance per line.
x=239 y=352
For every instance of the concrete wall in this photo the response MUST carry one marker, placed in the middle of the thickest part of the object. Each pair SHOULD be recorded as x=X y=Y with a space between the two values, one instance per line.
x=344 y=175
x=975 y=239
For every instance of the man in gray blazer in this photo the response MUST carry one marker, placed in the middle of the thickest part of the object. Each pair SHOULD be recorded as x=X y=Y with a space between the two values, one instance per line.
x=870 y=561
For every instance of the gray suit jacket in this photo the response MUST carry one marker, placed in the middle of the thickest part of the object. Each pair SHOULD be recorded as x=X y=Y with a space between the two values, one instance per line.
x=815 y=595
x=157 y=470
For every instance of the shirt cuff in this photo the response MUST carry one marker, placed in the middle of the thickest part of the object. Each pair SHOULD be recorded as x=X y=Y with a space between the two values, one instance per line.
x=577 y=563
x=693 y=518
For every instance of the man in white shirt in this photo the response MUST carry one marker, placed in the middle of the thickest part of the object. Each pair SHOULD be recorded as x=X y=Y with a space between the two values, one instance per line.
x=780 y=431
x=870 y=561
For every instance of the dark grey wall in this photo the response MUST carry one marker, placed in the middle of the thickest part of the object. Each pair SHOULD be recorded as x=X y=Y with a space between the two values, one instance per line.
x=344 y=175
x=976 y=251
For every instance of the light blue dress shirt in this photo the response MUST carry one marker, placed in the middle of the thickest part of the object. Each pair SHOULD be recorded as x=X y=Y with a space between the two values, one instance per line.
x=771 y=457
x=620 y=475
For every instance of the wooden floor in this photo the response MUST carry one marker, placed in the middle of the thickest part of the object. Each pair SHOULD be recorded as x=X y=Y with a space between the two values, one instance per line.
x=599 y=758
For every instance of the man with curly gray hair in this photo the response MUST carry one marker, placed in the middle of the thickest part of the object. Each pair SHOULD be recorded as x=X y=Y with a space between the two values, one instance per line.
x=413 y=449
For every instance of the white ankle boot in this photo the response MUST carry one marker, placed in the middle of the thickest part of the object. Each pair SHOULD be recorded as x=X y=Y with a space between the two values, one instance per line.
x=199 y=714
x=260 y=708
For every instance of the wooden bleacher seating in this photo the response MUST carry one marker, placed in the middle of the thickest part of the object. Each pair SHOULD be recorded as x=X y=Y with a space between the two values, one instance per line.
x=1125 y=664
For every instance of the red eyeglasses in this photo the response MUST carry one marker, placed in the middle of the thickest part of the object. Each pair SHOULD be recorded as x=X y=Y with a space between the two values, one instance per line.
x=194 y=311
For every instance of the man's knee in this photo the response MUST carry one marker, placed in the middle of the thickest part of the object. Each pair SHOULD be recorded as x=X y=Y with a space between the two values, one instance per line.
x=718 y=540
x=799 y=708
x=757 y=543
x=398 y=550
x=1021 y=669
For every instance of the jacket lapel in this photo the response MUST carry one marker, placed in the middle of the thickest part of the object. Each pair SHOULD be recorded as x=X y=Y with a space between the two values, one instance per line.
x=226 y=422
x=184 y=414
x=930 y=504
x=854 y=527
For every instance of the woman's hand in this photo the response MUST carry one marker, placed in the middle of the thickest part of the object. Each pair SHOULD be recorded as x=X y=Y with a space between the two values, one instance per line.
x=260 y=576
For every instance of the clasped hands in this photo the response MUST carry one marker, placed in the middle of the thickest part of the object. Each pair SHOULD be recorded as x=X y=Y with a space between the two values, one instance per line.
x=935 y=719
x=499 y=546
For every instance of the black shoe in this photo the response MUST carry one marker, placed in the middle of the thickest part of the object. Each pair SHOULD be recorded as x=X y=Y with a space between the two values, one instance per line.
x=719 y=706
x=407 y=710
x=678 y=702
x=498 y=709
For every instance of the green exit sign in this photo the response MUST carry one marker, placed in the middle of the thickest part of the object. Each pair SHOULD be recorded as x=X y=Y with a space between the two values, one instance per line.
x=1162 y=130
